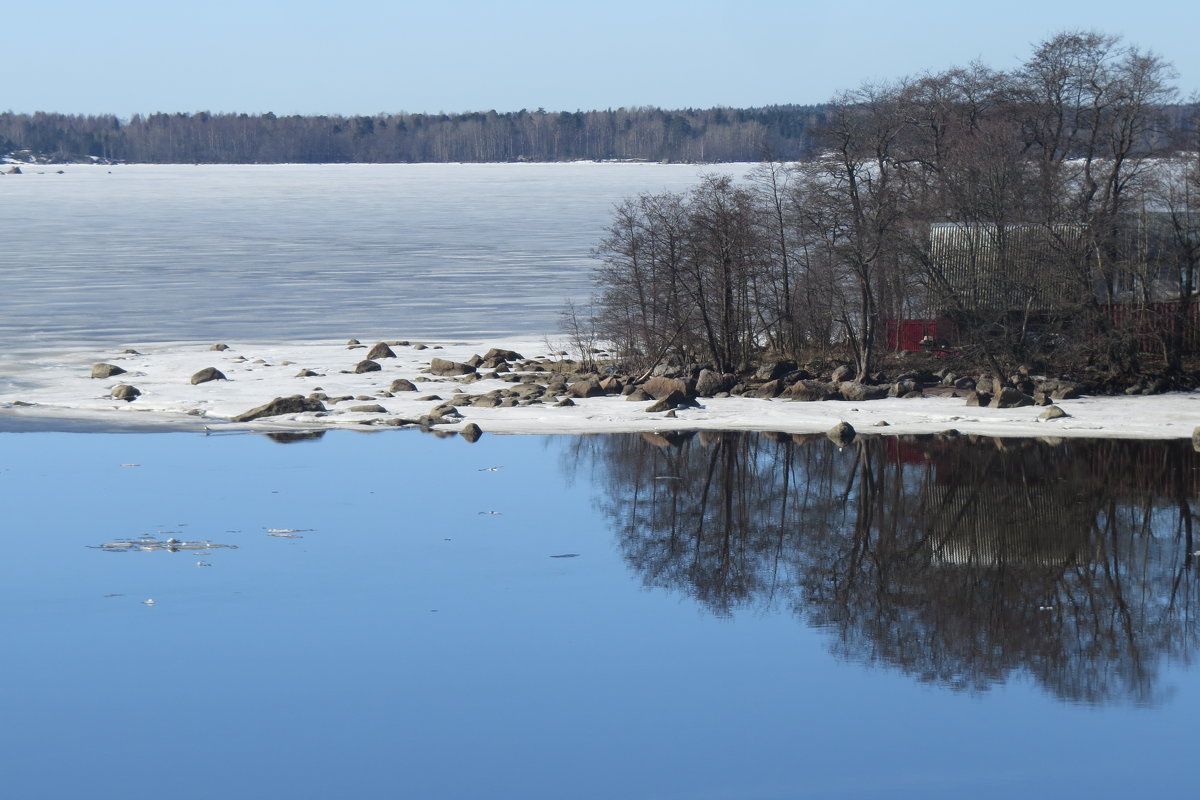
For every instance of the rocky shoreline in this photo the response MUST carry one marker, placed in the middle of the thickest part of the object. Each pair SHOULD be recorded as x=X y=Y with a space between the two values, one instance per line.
x=452 y=387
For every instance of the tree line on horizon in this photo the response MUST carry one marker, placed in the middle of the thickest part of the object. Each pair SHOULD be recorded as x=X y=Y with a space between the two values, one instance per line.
x=647 y=134
x=1049 y=216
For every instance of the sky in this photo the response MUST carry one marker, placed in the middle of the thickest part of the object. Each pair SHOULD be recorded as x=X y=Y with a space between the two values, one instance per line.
x=379 y=56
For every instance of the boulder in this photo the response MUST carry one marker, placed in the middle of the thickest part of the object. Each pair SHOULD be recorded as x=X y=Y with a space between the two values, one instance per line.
x=589 y=387
x=842 y=434
x=124 y=391
x=471 y=432
x=768 y=389
x=106 y=370
x=306 y=373
x=858 y=392
x=977 y=398
x=499 y=354
x=208 y=374
x=671 y=401
x=659 y=388
x=295 y=404
x=381 y=350
x=843 y=373
x=445 y=368
x=1060 y=390
x=446 y=411
x=373 y=408
x=810 y=391
x=709 y=383
x=367 y=366
x=1053 y=412
x=638 y=396
x=773 y=370
x=612 y=385
x=903 y=387
x=1008 y=397
x=486 y=401
x=403 y=385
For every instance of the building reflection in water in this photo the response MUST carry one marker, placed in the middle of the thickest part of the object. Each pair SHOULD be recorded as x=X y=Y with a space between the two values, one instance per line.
x=962 y=561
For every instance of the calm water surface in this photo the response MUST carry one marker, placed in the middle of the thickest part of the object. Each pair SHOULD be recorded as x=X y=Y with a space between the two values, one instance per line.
x=709 y=616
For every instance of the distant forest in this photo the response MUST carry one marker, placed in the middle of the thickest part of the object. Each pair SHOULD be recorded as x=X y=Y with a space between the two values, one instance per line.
x=649 y=134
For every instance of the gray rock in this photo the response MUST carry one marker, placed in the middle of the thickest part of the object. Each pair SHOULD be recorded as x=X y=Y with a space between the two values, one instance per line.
x=440 y=366
x=659 y=388
x=710 y=383
x=671 y=401
x=638 y=396
x=124 y=391
x=106 y=370
x=612 y=385
x=373 y=408
x=1008 y=397
x=381 y=350
x=306 y=373
x=810 y=391
x=295 y=404
x=842 y=434
x=500 y=354
x=769 y=389
x=858 y=392
x=403 y=385
x=367 y=366
x=208 y=374
x=471 y=432
x=977 y=398
x=843 y=373
x=767 y=372
x=486 y=401
x=589 y=387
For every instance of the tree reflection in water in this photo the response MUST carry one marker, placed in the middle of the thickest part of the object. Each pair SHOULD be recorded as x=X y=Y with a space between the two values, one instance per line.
x=959 y=561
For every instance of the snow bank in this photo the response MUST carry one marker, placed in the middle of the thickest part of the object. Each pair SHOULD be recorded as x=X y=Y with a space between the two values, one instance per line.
x=58 y=393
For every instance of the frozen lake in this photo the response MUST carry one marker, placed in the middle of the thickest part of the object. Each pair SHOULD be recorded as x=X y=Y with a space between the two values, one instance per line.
x=113 y=254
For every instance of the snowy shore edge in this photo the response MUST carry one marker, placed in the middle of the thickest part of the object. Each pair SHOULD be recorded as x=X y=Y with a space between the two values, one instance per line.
x=56 y=392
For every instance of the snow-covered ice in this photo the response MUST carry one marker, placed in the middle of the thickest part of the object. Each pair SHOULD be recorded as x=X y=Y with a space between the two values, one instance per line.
x=61 y=394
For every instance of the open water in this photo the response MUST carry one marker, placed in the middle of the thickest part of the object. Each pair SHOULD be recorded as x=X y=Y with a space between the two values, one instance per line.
x=711 y=616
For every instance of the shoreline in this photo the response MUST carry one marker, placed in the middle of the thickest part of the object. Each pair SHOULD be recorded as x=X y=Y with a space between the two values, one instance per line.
x=58 y=394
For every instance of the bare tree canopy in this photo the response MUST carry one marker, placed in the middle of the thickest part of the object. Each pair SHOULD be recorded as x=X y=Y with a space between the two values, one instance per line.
x=1045 y=215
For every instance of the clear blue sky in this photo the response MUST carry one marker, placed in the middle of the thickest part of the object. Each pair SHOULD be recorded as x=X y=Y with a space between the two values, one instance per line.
x=369 y=56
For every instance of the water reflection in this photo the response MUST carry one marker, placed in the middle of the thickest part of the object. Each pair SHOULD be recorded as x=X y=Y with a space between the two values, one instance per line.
x=964 y=563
